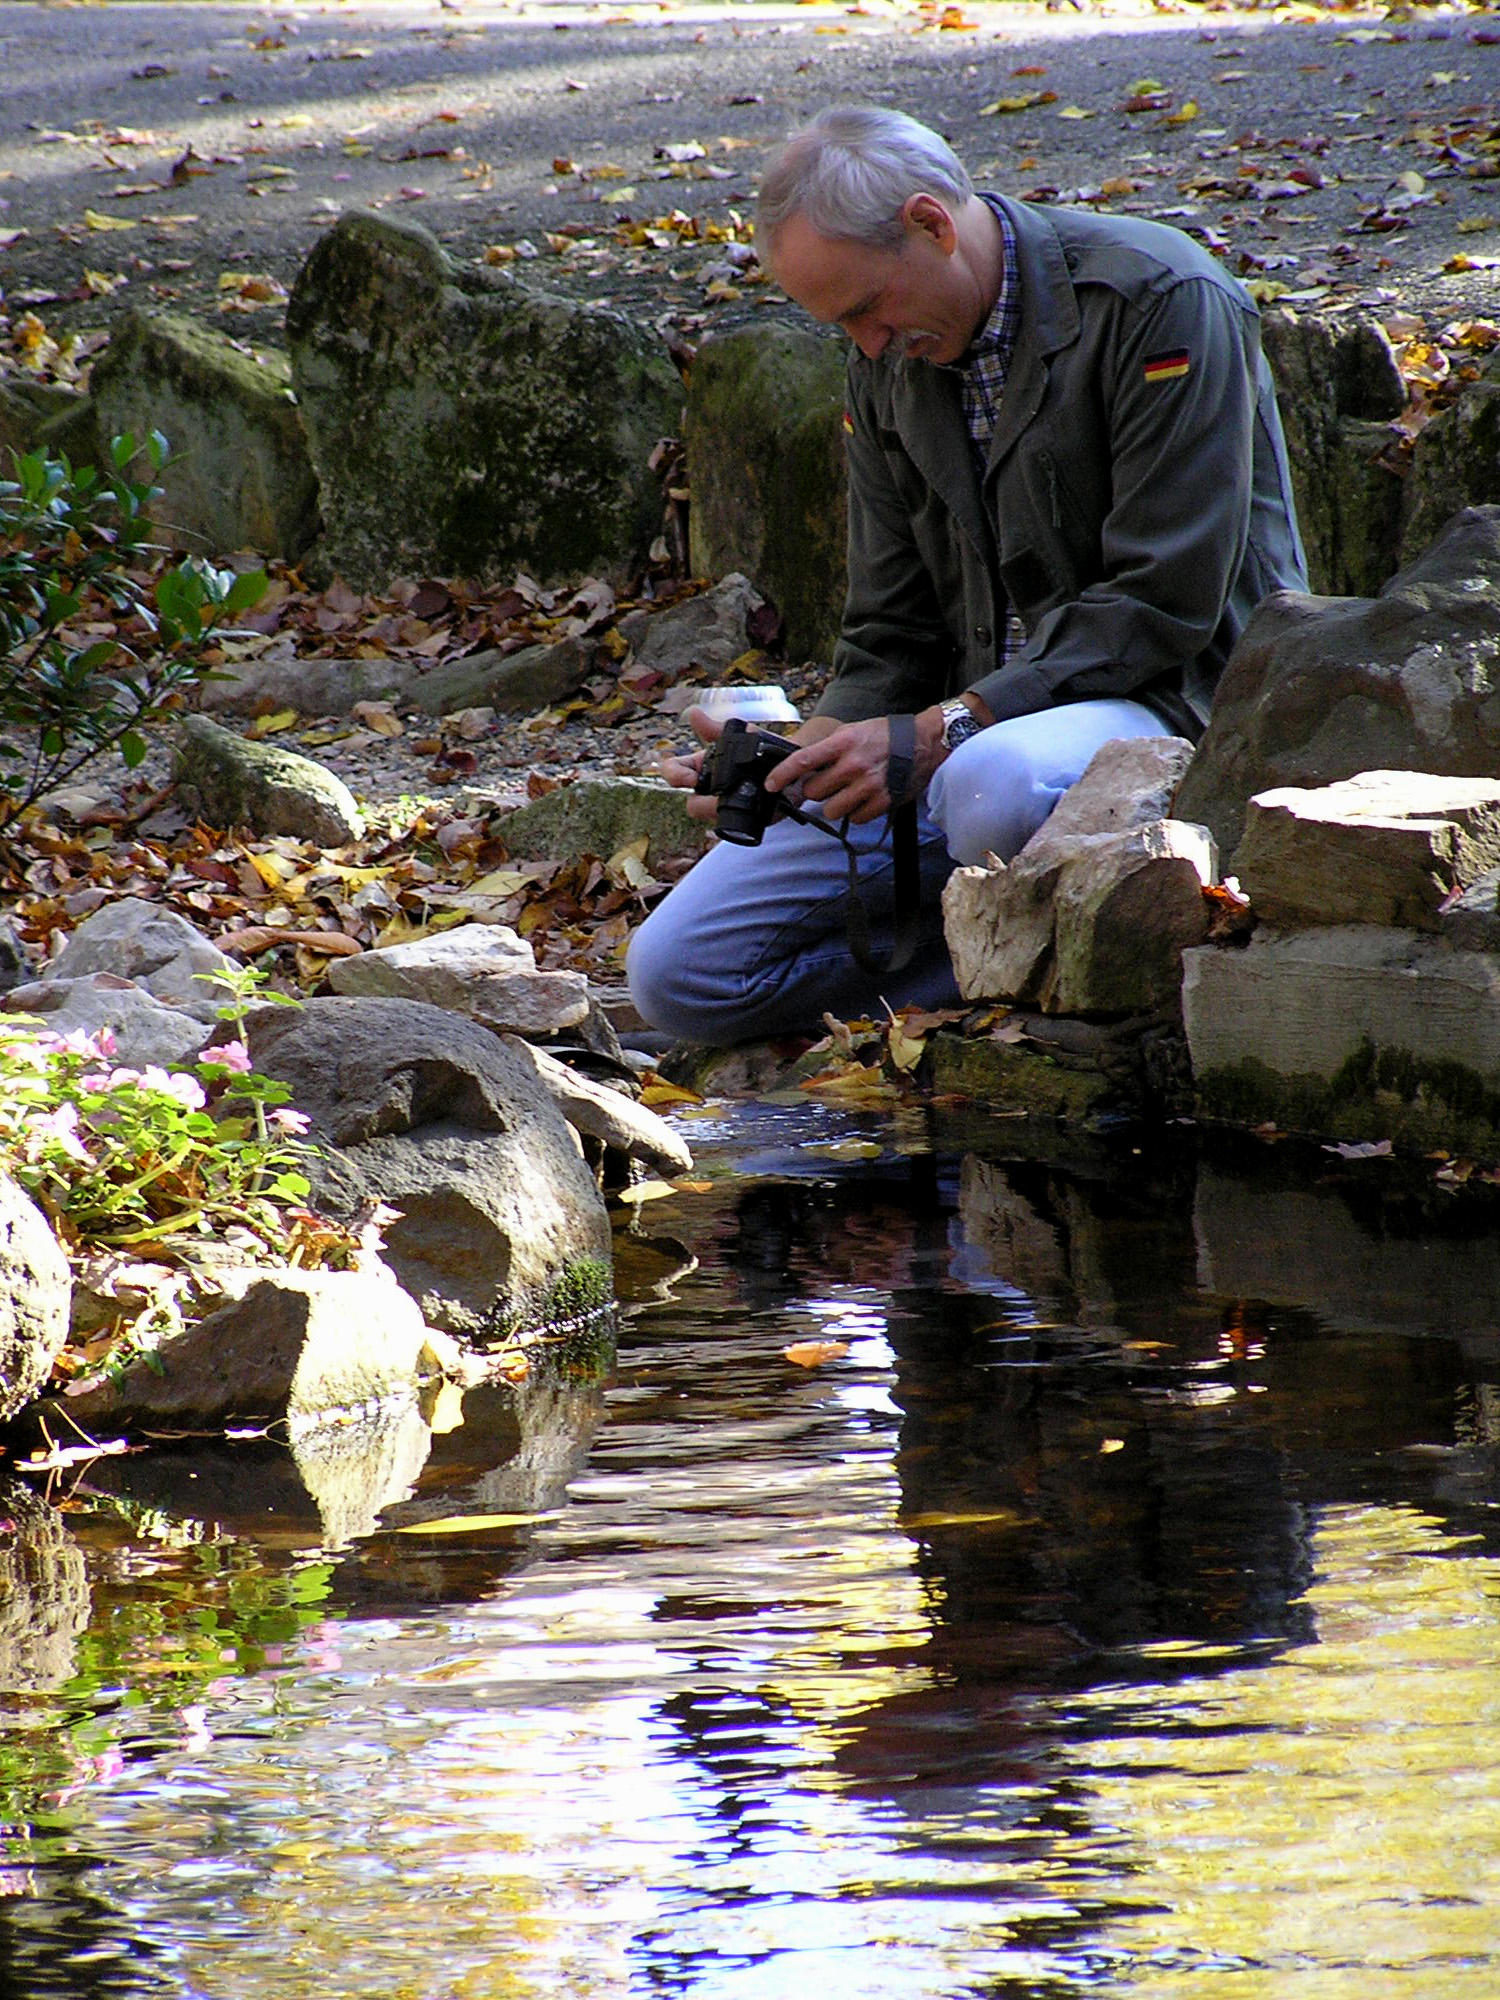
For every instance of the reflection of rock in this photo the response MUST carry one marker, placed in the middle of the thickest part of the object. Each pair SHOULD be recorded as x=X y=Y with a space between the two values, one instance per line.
x=44 y=1593
x=354 y=1473
x=36 y=1292
x=328 y=1489
x=1304 y=1247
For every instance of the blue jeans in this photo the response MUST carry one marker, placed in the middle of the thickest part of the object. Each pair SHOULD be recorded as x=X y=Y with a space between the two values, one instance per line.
x=751 y=943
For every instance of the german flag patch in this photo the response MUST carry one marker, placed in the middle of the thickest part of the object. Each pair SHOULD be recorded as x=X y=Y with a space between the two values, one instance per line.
x=1168 y=367
x=848 y=423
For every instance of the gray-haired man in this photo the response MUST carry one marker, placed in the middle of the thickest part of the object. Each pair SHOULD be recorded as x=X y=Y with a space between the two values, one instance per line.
x=1068 y=489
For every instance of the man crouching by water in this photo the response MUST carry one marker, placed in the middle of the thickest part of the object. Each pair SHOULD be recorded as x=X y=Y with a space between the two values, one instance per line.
x=1068 y=490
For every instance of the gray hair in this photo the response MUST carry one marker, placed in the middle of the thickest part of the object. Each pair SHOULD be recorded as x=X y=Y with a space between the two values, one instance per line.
x=852 y=170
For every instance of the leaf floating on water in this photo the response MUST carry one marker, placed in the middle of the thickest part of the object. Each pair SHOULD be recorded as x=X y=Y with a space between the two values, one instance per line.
x=813 y=1353
x=646 y=1191
x=1364 y=1149
x=463 y=1524
x=997 y=1516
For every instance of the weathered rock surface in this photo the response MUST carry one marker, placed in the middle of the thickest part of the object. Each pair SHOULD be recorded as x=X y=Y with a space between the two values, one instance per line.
x=44 y=1593
x=701 y=635
x=1355 y=1032
x=462 y=425
x=1338 y=385
x=146 y=1030
x=36 y=1293
x=514 y=683
x=313 y=687
x=599 y=816
x=611 y=1116
x=1472 y=920
x=15 y=966
x=501 y=1225
x=1093 y=913
x=239 y=476
x=144 y=942
x=1320 y=689
x=483 y=970
x=228 y=780
x=765 y=455
x=1387 y=847
x=307 y=1346
x=1455 y=463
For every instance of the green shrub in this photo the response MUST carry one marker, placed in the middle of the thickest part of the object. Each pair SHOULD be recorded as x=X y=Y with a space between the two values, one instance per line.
x=74 y=548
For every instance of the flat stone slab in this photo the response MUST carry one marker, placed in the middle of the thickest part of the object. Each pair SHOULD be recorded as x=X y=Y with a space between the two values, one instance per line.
x=1354 y=1032
x=485 y=971
x=1386 y=847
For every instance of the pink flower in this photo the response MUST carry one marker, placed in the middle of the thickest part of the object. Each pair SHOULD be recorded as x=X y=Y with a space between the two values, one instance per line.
x=60 y=1128
x=231 y=1055
x=287 y=1120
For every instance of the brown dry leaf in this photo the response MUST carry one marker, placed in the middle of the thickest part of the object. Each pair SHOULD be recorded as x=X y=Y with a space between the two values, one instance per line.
x=813 y=1353
x=255 y=938
x=659 y=1092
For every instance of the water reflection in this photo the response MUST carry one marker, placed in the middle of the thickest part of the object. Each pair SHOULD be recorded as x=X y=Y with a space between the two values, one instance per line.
x=1109 y=1614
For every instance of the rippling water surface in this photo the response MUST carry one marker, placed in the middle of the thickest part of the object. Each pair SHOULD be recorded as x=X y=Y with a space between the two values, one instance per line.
x=1103 y=1599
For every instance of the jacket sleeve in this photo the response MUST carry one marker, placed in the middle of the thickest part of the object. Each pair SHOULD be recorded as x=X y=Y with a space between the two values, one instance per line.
x=1180 y=404
x=894 y=649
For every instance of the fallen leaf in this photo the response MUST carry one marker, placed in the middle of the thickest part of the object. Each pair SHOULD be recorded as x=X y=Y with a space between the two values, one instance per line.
x=649 y=1190
x=1364 y=1149
x=659 y=1092
x=462 y=1524
x=271 y=725
x=97 y=221
x=813 y=1353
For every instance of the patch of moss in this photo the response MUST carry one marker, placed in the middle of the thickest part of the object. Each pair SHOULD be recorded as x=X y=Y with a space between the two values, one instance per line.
x=1378 y=1093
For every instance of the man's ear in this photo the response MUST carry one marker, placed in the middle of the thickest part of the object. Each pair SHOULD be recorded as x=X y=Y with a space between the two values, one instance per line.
x=926 y=214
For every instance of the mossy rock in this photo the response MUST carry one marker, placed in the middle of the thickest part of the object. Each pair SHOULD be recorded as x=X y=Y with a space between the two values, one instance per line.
x=598 y=817
x=765 y=450
x=239 y=476
x=228 y=780
x=464 y=425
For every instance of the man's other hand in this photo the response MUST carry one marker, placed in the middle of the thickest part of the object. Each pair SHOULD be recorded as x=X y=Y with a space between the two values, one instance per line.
x=846 y=766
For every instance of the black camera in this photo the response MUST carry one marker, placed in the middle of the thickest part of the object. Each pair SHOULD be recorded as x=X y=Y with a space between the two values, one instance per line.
x=734 y=772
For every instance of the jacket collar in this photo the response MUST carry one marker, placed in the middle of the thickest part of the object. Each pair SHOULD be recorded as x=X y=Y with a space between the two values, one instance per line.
x=924 y=400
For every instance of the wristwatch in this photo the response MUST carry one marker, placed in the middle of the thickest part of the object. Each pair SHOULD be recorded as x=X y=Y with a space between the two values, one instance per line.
x=959 y=723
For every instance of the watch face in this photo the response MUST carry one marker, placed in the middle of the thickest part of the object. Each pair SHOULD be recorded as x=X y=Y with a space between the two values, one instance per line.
x=959 y=724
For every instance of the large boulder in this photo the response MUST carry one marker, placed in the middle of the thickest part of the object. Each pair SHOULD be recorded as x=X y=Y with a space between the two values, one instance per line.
x=461 y=424
x=1320 y=689
x=501 y=1226
x=1338 y=387
x=230 y=780
x=1356 y=1031
x=239 y=475
x=1092 y=915
x=765 y=456
x=36 y=1294
x=1388 y=847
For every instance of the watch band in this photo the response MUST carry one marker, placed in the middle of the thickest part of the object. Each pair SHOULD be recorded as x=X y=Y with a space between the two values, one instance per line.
x=959 y=723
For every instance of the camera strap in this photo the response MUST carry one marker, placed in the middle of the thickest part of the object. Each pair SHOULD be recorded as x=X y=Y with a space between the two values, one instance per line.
x=906 y=870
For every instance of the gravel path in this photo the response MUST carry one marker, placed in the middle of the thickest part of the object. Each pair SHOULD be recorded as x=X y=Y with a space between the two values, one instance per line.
x=1344 y=155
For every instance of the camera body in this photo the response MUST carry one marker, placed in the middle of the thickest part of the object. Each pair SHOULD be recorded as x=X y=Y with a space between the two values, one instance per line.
x=734 y=772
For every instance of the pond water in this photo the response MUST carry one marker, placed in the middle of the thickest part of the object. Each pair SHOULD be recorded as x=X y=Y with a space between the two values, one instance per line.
x=1104 y=1598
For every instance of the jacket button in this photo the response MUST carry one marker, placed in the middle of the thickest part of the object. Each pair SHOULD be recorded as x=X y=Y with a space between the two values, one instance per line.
x=983 y=634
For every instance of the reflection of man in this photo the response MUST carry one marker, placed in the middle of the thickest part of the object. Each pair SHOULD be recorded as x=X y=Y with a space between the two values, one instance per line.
x=1067 y=491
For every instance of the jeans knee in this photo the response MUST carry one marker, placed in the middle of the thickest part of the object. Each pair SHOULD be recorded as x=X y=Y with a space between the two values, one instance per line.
x=991 y=802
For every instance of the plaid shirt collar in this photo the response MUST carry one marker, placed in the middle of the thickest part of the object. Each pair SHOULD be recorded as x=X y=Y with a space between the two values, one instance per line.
x=983 y=368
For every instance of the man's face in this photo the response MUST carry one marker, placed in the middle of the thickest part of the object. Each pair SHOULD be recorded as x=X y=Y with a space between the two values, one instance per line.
x=917 y=302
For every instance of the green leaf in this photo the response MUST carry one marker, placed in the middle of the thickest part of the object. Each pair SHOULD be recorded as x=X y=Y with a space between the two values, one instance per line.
x=245 y=590
x=122 y=450
x=132 y=748
x=159 y=450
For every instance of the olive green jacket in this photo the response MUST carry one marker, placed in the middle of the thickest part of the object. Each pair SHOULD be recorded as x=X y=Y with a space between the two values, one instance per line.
x=1135 y=508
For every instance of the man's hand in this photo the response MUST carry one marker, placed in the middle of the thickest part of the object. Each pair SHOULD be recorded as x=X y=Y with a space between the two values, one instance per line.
x=845 y=766
x=683 y=771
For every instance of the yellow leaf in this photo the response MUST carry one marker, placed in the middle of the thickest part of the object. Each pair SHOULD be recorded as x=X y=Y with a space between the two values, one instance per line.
x=646 y=1191
x=1410 y=182
x=662 y=1092
x=463 y=1524
x=273 y=869
x=1076 y=111
x=97 y=221
x=812 y=1353
x=628 y=863
x=1111 y=1445
x=499 y=882
x=1183 y=115
x=694 y=1187
x=998 y=1516
x=271 y=725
